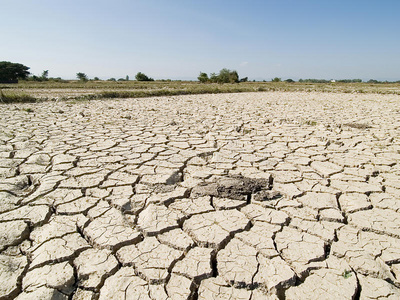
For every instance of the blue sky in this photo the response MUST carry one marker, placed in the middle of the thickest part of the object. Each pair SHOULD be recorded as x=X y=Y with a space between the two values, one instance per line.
x=177 y=39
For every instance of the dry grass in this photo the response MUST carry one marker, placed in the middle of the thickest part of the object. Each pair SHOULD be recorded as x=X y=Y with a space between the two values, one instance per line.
x=133 y=89
x=15 y=97
x=357 y=125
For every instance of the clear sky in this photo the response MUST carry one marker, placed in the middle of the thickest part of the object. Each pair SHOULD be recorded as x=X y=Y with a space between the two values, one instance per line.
x=177 y=39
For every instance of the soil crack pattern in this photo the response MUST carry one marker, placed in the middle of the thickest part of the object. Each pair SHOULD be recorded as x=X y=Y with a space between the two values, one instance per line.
x=267 y=195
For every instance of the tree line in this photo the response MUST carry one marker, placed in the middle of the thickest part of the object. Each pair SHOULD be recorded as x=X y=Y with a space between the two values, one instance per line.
x=12 y=72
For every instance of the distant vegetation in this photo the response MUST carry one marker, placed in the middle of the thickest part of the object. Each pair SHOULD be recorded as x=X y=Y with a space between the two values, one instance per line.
x=343 y=81
x=224 y=76
x=82 y=76
x=32 y=88
x=143 y=77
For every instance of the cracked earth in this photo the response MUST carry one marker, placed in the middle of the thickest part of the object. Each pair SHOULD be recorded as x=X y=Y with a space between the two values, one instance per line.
x=230 y=196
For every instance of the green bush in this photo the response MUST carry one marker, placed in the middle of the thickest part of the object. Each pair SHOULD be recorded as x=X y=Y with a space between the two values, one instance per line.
x=143 y=77
x=82 y=76
x=224 y=76
x=203 y=77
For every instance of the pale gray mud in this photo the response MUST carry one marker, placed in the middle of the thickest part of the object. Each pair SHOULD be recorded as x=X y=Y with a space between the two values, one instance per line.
x=230 y=196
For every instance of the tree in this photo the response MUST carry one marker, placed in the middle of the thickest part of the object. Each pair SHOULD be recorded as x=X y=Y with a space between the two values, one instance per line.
x=276 y=79
x=142 y=77
x=245 y=79
x=11 y=72
x=213 y=77
x=224 y=76
x=289 y=80
x=96 y=78
x=45 y=75
x=82 y=76
x=127 y=78
x=203 y=77
x=227 y=76
x=233 y=77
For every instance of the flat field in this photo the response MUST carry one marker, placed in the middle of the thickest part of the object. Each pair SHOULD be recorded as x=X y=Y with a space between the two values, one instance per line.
x=263 y=195
x=51 y=90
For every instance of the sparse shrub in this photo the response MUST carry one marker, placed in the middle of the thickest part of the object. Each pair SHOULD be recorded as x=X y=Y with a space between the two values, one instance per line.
x=82 y=76
x=143 y=77
x=57 y=79
x=346 y=274
x=203 y=77
x=357 y=125
x=224 y=76
x=45 y=75
x=311 y=123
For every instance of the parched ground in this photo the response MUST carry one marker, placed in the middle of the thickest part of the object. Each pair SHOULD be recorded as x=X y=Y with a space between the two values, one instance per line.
x=231 y=196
